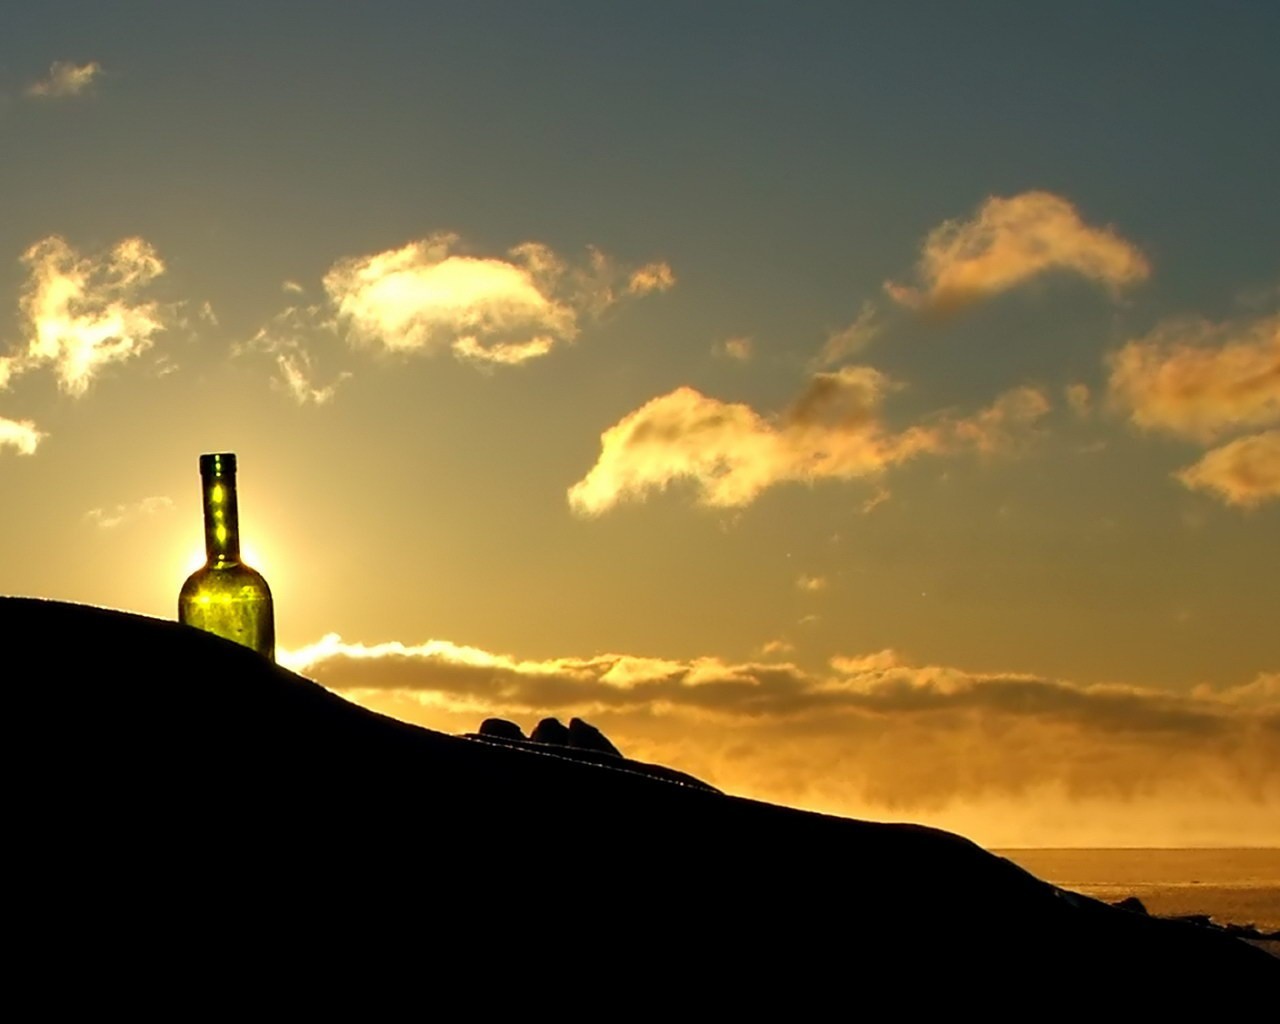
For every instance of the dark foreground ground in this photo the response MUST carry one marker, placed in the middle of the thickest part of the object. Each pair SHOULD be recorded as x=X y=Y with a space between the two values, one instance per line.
x=175 y=803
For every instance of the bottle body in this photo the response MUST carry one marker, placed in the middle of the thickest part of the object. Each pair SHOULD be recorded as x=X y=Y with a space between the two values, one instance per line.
x=232 y=601
x=225 y=596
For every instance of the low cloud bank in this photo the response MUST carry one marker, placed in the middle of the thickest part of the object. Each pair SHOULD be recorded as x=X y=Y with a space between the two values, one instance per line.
x=877 y=736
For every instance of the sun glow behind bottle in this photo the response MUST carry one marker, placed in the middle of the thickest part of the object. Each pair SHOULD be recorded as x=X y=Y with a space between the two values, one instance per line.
x=225 y=596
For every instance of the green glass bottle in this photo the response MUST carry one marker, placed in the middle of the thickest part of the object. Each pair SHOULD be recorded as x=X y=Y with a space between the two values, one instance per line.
x=225 y=596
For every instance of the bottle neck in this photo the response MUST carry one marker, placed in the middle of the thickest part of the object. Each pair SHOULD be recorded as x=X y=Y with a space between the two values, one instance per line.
x=221 y=518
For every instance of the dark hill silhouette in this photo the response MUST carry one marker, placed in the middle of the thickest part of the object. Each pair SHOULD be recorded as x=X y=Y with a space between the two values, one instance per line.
x=170 y=792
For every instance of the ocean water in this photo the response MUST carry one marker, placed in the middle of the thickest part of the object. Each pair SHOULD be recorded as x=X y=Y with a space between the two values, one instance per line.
x=1231 y=886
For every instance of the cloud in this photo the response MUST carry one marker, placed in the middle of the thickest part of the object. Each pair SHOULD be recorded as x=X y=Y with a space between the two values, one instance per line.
x=289 y=339
x=82 y=313
x=998 y=427
x=1262 y=692
x=65 y=78
x=833 y=431
x=852 y=339
x=1243 y=472
x=777 y=648
x=811 y=584
x=20 y=435
x=1200 y=380
x=427 y=296
x=873 y=734
x=738 y=348
x=296 y=379
x=1010 y=241
x=1080 y=400
x=121 y=514
x=652 y=277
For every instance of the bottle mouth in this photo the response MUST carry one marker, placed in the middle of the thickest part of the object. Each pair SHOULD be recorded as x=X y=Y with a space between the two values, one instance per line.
x=218 y=464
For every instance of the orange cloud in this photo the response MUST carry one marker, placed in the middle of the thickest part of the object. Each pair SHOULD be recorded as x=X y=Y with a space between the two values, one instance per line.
x=832 y=431
x=83 y=313
x=1262 y=692
x=427 y=296
x=1010 y=241
x=1200 y=380
x=652 y=277
x=1243 y=472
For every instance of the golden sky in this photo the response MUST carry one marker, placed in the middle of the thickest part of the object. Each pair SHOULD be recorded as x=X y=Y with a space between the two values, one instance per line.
x=873 y=411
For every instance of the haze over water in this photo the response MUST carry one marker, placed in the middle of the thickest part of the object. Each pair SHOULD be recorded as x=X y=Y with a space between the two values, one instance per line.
x=1240 y=886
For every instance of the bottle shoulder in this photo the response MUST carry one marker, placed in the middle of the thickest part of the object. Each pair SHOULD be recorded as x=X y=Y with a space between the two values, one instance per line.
x=230 y=577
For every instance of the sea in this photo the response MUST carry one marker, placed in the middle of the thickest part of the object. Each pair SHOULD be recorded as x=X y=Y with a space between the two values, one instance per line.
x=1240 y=886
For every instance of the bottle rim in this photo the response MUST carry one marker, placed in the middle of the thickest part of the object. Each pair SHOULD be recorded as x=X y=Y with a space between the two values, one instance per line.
x=217 y=464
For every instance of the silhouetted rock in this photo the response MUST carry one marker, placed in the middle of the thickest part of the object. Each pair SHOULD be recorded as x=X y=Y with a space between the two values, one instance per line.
x=609 y=756
x=170 y=796
x=502 y=729
x=588 y=737
x=550 y=731
x=1248 y=931
x=1132 y=904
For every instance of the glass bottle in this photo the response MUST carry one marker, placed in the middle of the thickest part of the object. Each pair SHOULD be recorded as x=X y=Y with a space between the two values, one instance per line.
x=225 y=596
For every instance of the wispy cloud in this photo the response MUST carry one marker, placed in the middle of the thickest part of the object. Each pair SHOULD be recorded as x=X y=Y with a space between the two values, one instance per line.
x=873 y=733
x=833 y=431
x=1200 y=380
x=1243 y=472
x=65 y=78
x=83 y=313
x=738 y=348
x=848 y=341
x=290 y=339
x=296 y=378
x=811 y=584
x=429 y=296
x=109 y=519
x=1079 y=399
x=20 y=435
x=1010 y=241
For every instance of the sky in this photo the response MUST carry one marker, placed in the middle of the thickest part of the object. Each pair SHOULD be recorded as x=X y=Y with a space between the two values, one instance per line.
x=871 y=408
